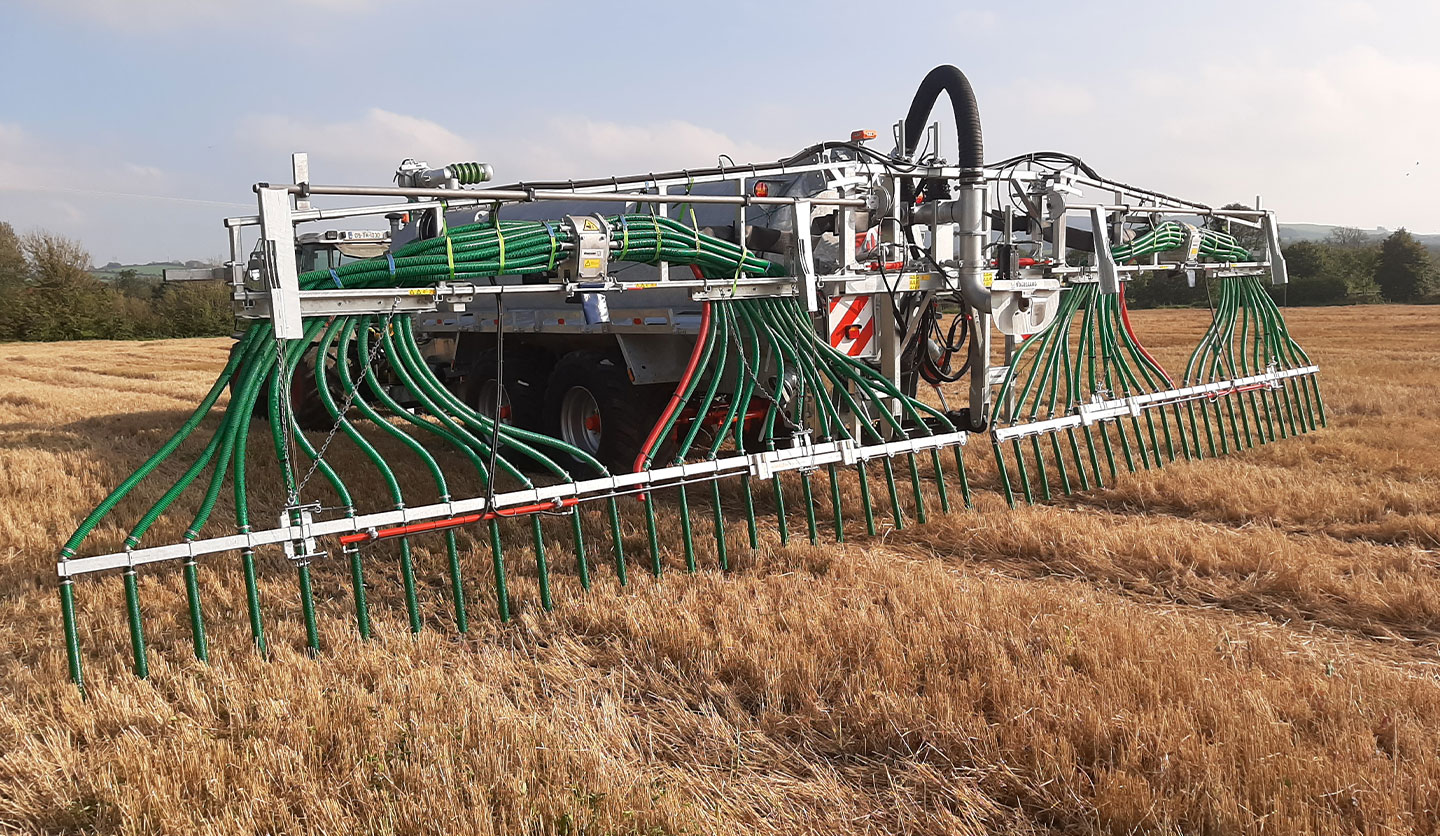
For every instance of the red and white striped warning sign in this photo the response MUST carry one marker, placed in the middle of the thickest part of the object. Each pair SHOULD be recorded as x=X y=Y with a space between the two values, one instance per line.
x=852 y=325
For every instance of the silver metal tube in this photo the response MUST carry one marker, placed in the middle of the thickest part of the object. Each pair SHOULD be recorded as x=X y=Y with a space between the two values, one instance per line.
x=353 y=211
x=972 y=230
x=980 y=371
x=545 y=194
x=1234 y=214
x=1163 y=266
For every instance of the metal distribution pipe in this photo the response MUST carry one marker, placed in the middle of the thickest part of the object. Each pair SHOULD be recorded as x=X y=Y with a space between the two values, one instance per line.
x=547 y=194
x=972 y=226
x=972 y=231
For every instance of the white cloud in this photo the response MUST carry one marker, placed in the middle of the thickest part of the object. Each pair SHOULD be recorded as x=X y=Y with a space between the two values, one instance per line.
x=1330 y=137
x=366 y=149
x=32 y=162
x=1053 y=97
x=369 y=146
x=166 y=15
x=561 y=148
x=973 y=21
x=117 y=208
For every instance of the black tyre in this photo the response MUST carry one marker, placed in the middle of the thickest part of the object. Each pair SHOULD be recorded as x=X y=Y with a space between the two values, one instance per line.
x=305 y=402
x=591 y=403
x=522 y=397
x=310 y=412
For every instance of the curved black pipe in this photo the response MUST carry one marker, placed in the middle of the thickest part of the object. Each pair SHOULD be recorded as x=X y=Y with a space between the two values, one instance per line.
x=948 y=79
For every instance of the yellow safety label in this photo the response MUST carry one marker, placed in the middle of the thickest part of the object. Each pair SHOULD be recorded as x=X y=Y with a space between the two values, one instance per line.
x=988 y=277
x=422 y=291
x=914 y=282
x=590 y=226
x=641 y=285
x=590 y=264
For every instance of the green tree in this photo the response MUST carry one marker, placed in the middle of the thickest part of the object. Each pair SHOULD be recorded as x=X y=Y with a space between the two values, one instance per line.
x=47 y=292
x=1405 y=272
x=1249 y=237
x=195 y=309
x=132 y=284
x=1313 y=277
x=14 y=274
x=1354 y=256
x=65 y=302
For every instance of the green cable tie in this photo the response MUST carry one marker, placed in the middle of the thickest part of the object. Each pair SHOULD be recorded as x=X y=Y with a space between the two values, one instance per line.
x=624 y=239
x=694 y=222
x=550 y=230
x=744 y=254
x=499 y=237
x=450 y=256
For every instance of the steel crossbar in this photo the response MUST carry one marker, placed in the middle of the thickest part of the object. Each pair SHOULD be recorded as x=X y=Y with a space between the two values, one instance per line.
x=1110 y=410
x=759 y=465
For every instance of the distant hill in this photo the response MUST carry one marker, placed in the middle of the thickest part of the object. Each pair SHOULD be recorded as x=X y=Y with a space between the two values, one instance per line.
x=113 y=269
x=1290 y=233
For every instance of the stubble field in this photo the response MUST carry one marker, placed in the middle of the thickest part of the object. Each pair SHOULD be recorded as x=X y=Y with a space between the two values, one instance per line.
x=1238 y=645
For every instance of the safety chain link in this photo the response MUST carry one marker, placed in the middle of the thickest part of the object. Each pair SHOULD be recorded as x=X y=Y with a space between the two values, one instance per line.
x=345 y=405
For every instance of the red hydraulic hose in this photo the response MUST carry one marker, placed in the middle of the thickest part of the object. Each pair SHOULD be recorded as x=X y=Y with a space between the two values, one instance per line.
x=1125 y=318
x=454 y=522
x=643 y=457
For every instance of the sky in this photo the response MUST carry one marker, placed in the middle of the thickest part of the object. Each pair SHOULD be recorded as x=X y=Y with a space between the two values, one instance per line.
x=135 y=126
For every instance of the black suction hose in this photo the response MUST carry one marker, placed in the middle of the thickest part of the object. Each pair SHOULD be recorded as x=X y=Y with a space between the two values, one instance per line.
x=948 y=79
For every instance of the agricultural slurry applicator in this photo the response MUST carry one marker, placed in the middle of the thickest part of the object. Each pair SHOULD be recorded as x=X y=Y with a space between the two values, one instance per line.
x=568 y=345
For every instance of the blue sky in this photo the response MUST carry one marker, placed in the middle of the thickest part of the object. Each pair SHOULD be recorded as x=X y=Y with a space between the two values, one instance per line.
x=135 y=125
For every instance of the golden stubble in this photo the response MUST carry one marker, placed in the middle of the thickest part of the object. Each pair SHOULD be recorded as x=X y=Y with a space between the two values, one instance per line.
x=1245 y=644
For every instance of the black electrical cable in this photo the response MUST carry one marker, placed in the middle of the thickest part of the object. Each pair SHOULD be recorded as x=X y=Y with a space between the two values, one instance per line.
x=950 y=344
x=794 y=159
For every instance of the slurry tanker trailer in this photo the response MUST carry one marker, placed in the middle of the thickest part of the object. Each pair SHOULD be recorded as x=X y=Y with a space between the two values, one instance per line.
x=546 y=353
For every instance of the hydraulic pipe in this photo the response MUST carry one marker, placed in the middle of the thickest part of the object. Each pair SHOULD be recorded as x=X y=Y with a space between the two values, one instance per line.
x=455 y=522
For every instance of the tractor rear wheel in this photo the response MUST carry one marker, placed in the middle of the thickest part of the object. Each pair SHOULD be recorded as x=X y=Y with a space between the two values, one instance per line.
x=591 y=403
x=305 y=403
x=521 y=400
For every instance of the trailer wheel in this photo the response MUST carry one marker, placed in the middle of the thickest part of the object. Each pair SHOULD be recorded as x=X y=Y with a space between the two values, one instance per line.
x=591 y=403
x=522 y=397
x=305 y=403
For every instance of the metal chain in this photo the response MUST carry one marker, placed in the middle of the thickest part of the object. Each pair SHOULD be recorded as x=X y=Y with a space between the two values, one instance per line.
x=293 y=496
x=344 y=405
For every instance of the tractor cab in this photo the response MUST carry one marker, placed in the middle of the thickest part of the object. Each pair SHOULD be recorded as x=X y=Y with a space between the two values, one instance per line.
x=333 y=248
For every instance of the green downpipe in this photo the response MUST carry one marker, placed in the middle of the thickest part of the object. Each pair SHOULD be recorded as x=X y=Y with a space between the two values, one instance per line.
x=1004 y=475
x=197 y=619
x=720 y=549
x=357 y=583
x=779 y=494
x=835 y=503
x=582 y=566
x=940 y=480
x=137 y=630
x=964 y=479
x=685 y=529
x=920 y=515
x=865 y=498
x=72 y=636
x=252 y=602
x=542 y=565
x=894 y=494
x=307 y=606
x=809 y=494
